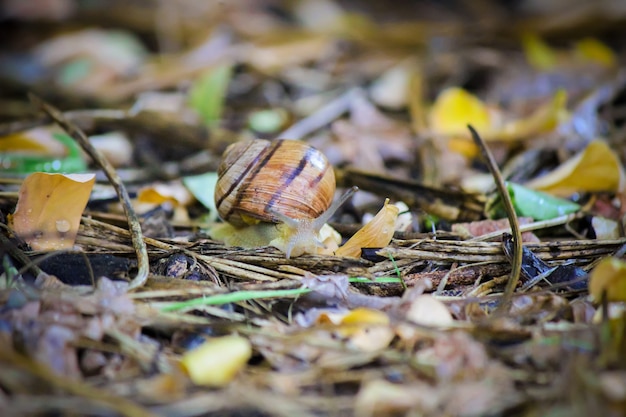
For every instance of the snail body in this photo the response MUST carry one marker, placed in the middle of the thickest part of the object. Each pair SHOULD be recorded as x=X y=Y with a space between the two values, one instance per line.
x=276 y=193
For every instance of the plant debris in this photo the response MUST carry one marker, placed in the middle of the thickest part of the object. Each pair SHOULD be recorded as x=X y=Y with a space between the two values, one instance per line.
x=478 y=270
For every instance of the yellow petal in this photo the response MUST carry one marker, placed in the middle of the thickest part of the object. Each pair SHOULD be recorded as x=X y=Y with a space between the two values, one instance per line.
x=454 y=109
x=49 y=209
x=609 y=276
x=594 y=51
x=375 y=234
x=216 y=362
x=596 y=168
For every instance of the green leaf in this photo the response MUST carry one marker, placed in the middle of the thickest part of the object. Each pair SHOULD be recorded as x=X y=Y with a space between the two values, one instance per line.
x=208 y=94
x=203 y=188
x=267 y=121
x=530 y=203
x=21 y=163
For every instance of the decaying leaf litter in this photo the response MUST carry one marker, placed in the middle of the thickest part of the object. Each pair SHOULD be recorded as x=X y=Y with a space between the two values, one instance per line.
x=501 y=293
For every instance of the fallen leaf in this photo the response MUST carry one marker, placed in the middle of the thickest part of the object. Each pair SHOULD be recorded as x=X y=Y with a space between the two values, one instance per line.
x=203 y=188
x=217 y=362
x=544 y=119
x=382 y=398
x=375 y=234
x=208 y=94
x=454 y=109
x=538 y=53
x=38 y=140
x=428 y=311
x=379 y=138
x=331 y=286
x=455 y=355
x=608 y=276
x=596 y=168
x=593 y=51
x=366 y=329
x=40 y=150
x=483 y=227
x=174 y=193
x=49 y=209
x=530 y=203
x=393 y=87
x=604 y=228
x=284 y=49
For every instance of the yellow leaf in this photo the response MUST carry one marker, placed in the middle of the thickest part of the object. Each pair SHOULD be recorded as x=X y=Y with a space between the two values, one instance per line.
x=366 y=329
x=538 y=53
x=216 y=362
x=609 y=276
x=596 y=168
x=454 y=109
x=543 y=119
x=375 y=234
x=49 y=209
x=362 y=315
x=174 y=193
x=38 y=140
x=594 y=51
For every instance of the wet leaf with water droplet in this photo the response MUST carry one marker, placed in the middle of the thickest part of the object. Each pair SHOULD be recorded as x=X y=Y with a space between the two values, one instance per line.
x=49 y=208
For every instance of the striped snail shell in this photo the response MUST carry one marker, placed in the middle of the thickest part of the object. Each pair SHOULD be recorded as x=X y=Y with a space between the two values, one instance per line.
x=259 y=179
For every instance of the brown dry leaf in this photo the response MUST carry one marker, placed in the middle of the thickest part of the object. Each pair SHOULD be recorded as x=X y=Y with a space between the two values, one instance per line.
x=596 y=168
x=49 y=209
x=375 y=234
x=369 y=138
x=483 y=227
x=91 y=60
x=331 y=286
x=490 y=394
x=455 y=355
x=382 y=398
x=284 y=49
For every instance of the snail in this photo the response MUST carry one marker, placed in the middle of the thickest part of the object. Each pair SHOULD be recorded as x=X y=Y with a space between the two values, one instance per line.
x=278 y=193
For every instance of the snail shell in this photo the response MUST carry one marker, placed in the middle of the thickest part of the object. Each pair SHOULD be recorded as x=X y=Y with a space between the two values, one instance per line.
x=259 y=178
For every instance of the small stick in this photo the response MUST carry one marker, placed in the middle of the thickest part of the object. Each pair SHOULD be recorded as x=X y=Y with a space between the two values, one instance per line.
x=516 y=259
x=133 y=221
